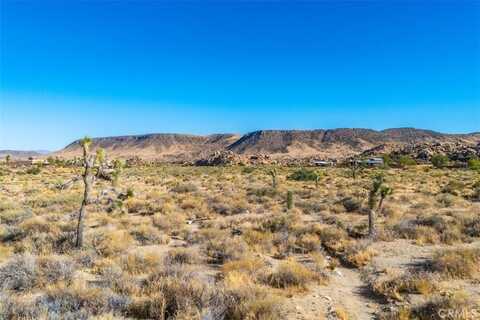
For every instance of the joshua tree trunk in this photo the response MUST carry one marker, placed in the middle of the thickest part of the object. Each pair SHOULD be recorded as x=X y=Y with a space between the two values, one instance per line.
x=372 y=230
x=87 y=180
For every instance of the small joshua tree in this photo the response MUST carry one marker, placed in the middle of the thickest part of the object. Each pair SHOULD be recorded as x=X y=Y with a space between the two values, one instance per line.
x=88 y=163
x=7 y=159
x=355 y=167
x=289 y=200
x=379 y=189
x=273 y=174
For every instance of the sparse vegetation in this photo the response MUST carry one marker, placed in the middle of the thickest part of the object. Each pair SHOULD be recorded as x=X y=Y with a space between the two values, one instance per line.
x=183 y=242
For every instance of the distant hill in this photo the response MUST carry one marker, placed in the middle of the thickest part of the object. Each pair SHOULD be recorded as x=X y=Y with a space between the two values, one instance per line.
x=335 y=143
x=163 y=146
x=21 y=154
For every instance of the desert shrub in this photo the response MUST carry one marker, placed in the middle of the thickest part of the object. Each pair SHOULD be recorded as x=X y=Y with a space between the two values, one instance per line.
x=151 y=307
x=453 y=187
x=457 y=263
x=11 y=233
x=239 y=298
x=358 y=254
x=303 y=175
x=276 y=223
x=55 y=268
x=180 y=289
x=308 y=243
x=140 y=262
x=111 y=242
x=18 y=308
x=290 y=273
x=262 y=192
x=77 y=302
x=33 y=170
x=221 y=250
x=226 y=207
x=406 y=160
x=351 y=204
x=259 y=241
x=408 y=229
x=332 y=238
x=252 y=266
x=19 y=273
x=11 y=215
x=474 y=164
x=182 y=256
x=439 y=161
x=184 y=188
x=148 y=235
x=393 y=285
x=168 y=222
x=454 y=306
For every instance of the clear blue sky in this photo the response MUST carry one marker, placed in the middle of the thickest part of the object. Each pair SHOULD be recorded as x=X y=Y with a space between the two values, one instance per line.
x=70 y=68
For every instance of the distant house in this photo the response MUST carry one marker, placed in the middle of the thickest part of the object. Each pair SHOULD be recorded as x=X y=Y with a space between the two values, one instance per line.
x=323 y=163
x=373 y=161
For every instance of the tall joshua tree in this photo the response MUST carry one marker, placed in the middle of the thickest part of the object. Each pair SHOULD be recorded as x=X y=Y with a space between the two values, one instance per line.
x=88 y=163
x=379 y=189
x=7 y=159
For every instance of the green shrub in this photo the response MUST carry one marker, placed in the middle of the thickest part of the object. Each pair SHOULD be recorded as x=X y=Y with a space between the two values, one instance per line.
x=405 y=161
x=303 y=175
x=439 y=161
x=474 y=164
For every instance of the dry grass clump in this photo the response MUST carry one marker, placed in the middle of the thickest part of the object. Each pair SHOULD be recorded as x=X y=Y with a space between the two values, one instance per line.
x=221 y=250
x=457 y=263
x=23 y=272
x=393 y=285
x=451 y=306
x=111 y=242
x=358 y=254
x=184 y=188
x=290 y=273
x=19 y=273
x=259 y=241
x=140 y=262
x=147 y=235
x=78 y=301
x=238 y=297
x=228 y=206
x=170 y=292
x=182 y=256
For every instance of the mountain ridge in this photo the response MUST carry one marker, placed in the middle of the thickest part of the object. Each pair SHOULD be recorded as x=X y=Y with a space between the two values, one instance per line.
x=328 y=143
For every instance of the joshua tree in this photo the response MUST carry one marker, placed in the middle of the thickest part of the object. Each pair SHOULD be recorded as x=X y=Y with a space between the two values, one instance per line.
x=88 y=163
x=289 y=200
x=378 y=189
x=273 y=174
x=7 y=159
x=355 y=167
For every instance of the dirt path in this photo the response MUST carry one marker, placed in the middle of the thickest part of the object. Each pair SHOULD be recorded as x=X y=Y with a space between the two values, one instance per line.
x=344 y=291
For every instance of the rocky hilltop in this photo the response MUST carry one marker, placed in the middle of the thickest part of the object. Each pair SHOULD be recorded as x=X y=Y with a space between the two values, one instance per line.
x=280 y=144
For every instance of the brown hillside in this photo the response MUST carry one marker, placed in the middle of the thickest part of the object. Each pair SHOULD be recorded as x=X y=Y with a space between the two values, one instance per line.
x=335 y=143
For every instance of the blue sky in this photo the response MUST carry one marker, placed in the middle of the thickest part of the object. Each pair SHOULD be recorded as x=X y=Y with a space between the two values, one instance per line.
x=71 y=68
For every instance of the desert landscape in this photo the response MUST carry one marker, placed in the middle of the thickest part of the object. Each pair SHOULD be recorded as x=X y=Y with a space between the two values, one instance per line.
x=242 y=239
x=239 y=160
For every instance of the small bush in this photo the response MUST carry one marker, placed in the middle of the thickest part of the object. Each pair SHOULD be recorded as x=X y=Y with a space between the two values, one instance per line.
x=459 y=263
x=19 y=273
x=290 y=273
x=303 y=175
x=351 y=204
x=184 y=188
x=439 y=161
